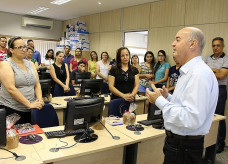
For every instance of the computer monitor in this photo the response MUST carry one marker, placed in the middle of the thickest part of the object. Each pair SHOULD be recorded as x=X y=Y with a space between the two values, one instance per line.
x=82 y=114
x=2 y=127
x=154 y=112
x=91 y=86
x=79 y=76
x=46 y=85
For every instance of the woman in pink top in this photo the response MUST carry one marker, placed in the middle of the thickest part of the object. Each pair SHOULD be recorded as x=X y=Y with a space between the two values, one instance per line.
x=74 y=61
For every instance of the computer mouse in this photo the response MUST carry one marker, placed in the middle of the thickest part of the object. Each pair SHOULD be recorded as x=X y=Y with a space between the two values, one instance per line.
x=32 y=137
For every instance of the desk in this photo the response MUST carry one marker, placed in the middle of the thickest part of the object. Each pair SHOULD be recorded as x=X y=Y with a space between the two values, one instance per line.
x=26 y=150
x=103 y=150
x=140 y=101
x=147 y=147
x=151 y=141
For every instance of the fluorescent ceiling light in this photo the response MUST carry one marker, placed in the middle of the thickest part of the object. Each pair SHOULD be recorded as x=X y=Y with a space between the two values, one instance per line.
x=38 y=10
x=60 y=2
x=99 y=3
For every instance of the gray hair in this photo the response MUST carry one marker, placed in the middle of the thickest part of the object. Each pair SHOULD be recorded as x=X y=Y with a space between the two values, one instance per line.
x=198 y=35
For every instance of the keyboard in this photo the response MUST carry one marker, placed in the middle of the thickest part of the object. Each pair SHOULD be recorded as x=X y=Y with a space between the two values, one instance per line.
x=62 y=133
x=149 y=122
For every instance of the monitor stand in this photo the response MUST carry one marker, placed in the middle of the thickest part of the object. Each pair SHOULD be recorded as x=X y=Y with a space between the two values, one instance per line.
x=86 y=137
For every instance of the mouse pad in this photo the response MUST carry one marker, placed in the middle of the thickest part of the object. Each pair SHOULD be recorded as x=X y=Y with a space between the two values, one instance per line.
x=24 y=140
x=135 y=128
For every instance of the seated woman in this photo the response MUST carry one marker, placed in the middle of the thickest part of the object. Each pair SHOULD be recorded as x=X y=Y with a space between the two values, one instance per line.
x=78 y=57
x=161 y=70
x=29 y=54
x=49 y=59
x=92 y=64
x=81 y=68
x=21 y=90
x=146 y=73
x=135 y=62
x=102 y=71
x=123 y=77
x=60 y=75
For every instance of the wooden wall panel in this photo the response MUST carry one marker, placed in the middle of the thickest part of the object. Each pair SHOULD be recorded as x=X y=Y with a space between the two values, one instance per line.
x=136 y=17
x=94 y=39
x=110 y=21
x=167 y=13
x=206 y=11
x=93 y=23
x=211 y=31
x=110 y=42
x=161 y=39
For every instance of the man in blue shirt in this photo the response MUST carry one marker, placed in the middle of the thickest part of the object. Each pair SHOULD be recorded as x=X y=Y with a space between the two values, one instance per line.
x=189 y=112
x=36 y=54
x=67 y=56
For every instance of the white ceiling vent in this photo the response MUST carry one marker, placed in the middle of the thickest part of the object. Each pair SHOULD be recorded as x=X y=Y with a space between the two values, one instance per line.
x=35 y=22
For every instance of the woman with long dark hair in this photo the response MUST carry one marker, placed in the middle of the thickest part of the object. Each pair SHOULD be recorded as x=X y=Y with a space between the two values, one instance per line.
x=49 y=59
x=78 y=57
x=123 y=77
x=161 y=70
x=60 y=75
x=146 y=73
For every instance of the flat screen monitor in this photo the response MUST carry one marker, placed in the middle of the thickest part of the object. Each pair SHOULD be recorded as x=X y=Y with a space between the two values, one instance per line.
x=46 y=87
x=82 y=114
x=154 y=112
x=79 y=76
x=91 y=87
x=2 y=127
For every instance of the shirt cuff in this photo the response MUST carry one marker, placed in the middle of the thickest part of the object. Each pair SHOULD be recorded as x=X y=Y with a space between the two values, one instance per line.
x=169 y=97
x=161 y=102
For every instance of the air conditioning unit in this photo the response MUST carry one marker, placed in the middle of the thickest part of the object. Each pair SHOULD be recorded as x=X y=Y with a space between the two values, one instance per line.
x=35 y=22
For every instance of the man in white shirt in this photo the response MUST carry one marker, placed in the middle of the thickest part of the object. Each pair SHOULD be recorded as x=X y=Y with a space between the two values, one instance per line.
x=188 y=113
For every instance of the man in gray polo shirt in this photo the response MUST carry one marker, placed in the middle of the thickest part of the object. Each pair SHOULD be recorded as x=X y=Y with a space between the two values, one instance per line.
x=218 y=62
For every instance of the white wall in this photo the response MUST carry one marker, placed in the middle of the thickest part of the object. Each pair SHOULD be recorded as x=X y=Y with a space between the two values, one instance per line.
x=11 y=25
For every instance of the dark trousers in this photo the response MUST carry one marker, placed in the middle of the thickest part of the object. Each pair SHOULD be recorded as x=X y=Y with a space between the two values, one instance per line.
x=105 y=88
x=59 y=91
x=183 y=151
x=220 y=109
x=25 y=116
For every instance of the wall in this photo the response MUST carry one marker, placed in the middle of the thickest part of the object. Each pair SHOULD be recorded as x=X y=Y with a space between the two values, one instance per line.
x=11 y=25
x=163 y=19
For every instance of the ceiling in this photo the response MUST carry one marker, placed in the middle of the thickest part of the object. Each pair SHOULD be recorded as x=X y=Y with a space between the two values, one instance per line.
x=72 y=9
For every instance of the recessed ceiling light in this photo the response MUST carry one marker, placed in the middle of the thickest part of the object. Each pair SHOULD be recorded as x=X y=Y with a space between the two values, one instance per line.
x=99 y=3
x=60 y=2
x=38 y=10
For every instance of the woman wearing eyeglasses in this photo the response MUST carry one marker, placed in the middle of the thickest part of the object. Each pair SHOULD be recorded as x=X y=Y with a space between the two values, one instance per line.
x=60 y=75
x=21 y=90
x=123 y=77
x=161 y=70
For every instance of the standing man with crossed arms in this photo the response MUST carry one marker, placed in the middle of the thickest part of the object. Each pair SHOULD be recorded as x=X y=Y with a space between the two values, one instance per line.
x=188 y=113
x=218 y=62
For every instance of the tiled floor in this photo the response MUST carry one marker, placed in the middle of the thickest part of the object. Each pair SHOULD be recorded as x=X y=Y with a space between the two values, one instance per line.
x=222 y=158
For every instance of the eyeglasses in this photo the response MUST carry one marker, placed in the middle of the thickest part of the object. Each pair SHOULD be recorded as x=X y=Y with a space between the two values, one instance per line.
x=125 y=75
x=22 y=48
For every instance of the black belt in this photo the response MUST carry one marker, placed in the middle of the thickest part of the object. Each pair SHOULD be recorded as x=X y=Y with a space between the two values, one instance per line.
x=172 y=135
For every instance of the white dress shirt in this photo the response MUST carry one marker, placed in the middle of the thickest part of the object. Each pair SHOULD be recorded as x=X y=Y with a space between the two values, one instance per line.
x=190 y=110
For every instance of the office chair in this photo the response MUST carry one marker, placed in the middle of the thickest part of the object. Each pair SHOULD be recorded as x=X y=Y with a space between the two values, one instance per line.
x=45 y=75
x=46 y=117
x=117 y=107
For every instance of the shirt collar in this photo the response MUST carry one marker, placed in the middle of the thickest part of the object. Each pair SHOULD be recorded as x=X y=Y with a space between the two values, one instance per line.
x=223 y=54
x=187 y=66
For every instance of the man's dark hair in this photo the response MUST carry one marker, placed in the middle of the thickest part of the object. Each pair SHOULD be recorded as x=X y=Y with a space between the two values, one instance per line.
x=218 y=38
x=3 y=37
x=67 y=46
x=30 y=40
